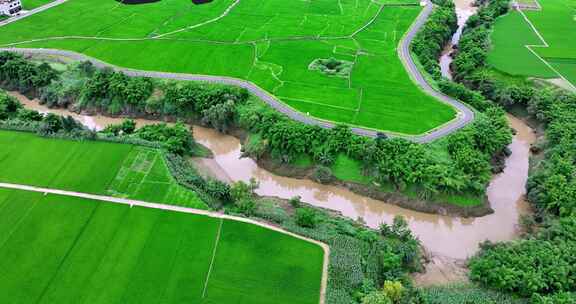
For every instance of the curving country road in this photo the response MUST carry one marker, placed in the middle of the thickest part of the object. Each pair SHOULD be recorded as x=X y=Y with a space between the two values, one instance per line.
x=464 y=114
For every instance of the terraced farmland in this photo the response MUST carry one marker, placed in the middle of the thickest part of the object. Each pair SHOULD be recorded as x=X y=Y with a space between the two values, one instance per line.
x=91 y=167
x=270 y=43
x=59 y=249
x=547 y=52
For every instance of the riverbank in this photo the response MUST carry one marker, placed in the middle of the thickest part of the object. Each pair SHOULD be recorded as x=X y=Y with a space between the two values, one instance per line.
x=452 y=237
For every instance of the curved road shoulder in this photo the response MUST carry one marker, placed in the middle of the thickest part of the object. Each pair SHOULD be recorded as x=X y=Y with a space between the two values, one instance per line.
x=464 y=114
x=130 y=202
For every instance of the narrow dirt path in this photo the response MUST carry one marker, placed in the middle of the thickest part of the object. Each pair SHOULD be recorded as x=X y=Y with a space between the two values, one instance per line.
x=131 y=203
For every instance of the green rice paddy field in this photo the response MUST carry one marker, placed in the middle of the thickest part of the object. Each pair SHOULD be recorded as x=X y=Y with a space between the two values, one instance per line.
x=512 y=33
x=91 y=167
x=271 y=43
x=56 y=249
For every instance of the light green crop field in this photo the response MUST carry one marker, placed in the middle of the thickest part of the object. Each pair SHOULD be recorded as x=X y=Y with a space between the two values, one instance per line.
x=90 y=167
x=270 y=43
x=555 y=23
x=56 y=249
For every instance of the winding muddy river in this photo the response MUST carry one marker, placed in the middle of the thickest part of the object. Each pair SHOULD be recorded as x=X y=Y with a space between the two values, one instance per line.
x=450 y=237
x=464 y=10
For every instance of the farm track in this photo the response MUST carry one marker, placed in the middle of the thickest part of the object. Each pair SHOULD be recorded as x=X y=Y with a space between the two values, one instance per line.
x=464 y=114
x=131 y=203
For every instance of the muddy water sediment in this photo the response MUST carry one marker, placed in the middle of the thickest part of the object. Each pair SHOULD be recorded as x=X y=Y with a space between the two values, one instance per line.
x=464 y=10
x=451 y=237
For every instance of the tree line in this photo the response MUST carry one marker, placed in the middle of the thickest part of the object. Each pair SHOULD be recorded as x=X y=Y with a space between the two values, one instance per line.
x=395 y=161
x=541 y=266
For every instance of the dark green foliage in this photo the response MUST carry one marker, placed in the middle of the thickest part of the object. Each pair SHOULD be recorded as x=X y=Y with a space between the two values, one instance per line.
x=431 y=39
x=332 y=66
x=475 y=42
x=220 y=116
x=9 y=106
x=127 y=127
x=296 y=202
x=459 y=91
x=114 y=92
x=175 y=139
x=306 y=217
x=398 y=162
x=17 y=73
x=192 y=98
x=322 y=174
x=243 y=197
x=28 y=115
x=212 y=192
x=543 y=264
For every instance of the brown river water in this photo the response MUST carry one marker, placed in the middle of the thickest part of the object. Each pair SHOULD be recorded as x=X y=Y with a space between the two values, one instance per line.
x=451 y=237
x=464 y=10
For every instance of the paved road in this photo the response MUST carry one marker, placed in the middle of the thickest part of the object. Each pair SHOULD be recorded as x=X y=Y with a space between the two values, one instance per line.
x=464 y=115
x=130 y=202
x=32 y=12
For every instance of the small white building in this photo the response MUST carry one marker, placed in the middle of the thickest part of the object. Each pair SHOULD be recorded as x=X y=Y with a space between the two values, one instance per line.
x=10 y=7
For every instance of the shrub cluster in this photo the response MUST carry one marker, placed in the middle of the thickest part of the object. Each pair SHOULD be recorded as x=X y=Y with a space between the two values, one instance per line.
x=434 y=35
x=17 y=73
x=13 y=116
x=541 y=266
x=394 y=161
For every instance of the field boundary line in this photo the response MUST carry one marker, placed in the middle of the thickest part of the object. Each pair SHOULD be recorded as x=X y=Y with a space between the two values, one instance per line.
x=545 y=44
x=213 y=257
x=224 y=14
x=319 y=103
x=212 y=214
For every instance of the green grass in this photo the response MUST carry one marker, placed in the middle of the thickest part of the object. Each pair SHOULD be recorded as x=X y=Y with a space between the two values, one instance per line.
x=556 y=23
x=91 y=167
x=348 y=169
x=270 y=43
x=56 y=249
x=32 y=4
